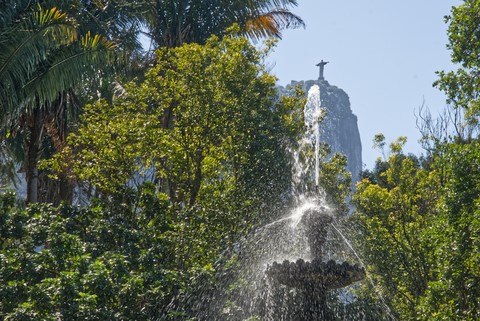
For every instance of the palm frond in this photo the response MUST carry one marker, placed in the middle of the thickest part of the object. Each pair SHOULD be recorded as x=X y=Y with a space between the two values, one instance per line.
x=260 y=6
x=67 y=67
x=11 y=10
x=272 y=23
x=24 y=45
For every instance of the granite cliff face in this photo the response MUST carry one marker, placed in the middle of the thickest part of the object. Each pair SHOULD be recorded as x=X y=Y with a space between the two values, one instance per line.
x=340 y=128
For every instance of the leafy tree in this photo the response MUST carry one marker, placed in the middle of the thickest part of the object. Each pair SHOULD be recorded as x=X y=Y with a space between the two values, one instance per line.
x=206 y=117
x=417 y=233
x=453 y=294
x=461 y=85
x=394 y=213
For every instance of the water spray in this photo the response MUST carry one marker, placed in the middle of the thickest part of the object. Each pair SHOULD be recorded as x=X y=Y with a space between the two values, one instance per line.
x=313 y=117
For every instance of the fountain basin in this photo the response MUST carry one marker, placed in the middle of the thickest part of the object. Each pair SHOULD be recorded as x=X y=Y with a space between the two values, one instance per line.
x=305 y=274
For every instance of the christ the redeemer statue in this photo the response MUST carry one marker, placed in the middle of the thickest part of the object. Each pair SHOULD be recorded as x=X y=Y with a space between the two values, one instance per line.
x=321 y=64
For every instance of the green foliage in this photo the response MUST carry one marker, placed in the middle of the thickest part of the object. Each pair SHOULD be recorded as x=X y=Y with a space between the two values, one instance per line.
x=461 y=86
x=42 y=54
x=379 y=141
x=182 y=165
x=104 y=262
x=454 y=295
x=392 y=219
x=336 y=182
x=206 y=133
x=419 y=232
x=205 y=124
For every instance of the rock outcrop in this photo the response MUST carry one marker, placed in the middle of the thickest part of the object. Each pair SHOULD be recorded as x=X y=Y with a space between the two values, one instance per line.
x=340 y=128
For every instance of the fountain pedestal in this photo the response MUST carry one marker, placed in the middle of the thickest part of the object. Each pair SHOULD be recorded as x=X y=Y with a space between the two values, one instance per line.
x=314 y=278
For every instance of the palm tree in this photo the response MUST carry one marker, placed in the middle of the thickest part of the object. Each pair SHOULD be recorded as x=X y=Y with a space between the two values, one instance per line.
x=173 y=23
x=42 y=56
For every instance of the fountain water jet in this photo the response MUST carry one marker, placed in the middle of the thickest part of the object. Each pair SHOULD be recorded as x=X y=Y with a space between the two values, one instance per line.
x=314 y=114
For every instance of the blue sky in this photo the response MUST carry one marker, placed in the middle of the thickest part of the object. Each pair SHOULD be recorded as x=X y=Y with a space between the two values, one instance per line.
x=383 y=53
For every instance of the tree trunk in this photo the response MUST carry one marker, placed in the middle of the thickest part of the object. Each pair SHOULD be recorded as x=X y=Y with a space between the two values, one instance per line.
x=35 y=125
x=197 y=180
x=66 y=190
x=56 y=126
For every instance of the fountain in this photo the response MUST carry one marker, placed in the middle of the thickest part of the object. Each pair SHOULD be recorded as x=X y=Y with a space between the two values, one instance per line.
x=314 y=278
